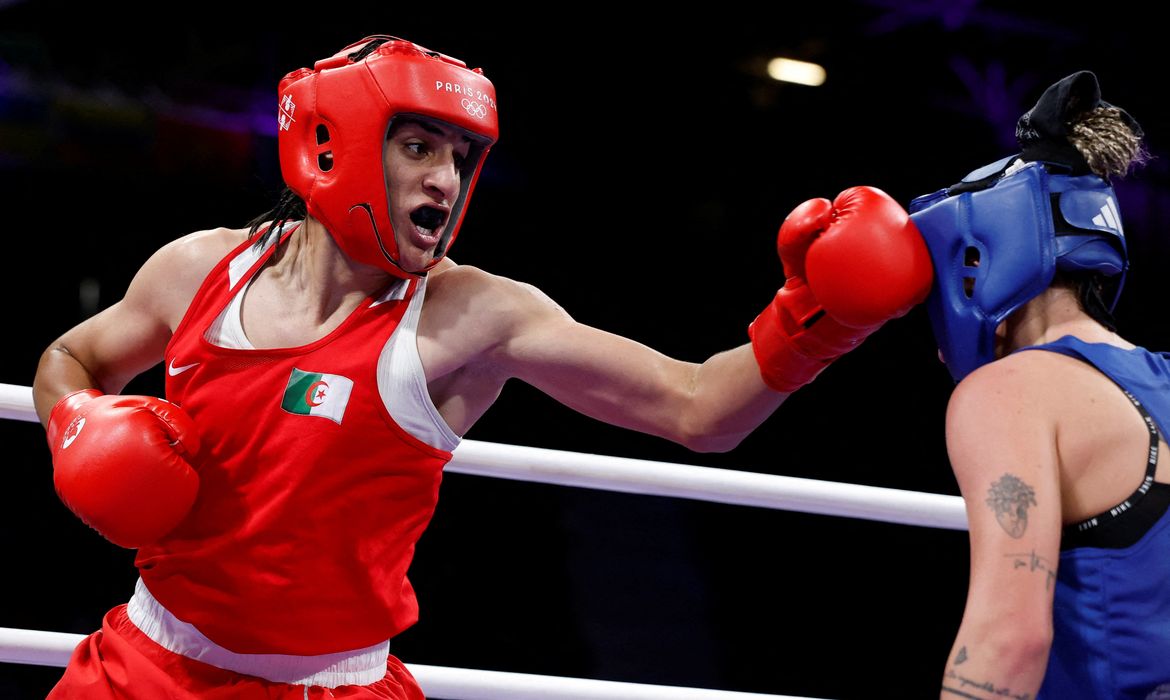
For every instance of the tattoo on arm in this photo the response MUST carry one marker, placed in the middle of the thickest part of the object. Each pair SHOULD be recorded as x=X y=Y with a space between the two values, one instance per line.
x=964 y=687
x=1009 y=498
x=1034 y=563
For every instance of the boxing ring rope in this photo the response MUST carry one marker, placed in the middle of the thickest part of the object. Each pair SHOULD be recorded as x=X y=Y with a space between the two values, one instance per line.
x=592 y=471
x=438 y=682
x=650 y=478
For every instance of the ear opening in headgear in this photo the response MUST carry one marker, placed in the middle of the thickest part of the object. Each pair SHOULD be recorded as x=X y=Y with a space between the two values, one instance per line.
x=324 y=158
x=970 y=263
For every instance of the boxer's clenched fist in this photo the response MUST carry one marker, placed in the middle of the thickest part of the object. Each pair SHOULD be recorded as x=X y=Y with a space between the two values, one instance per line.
x=124 y=464
x=850 y=266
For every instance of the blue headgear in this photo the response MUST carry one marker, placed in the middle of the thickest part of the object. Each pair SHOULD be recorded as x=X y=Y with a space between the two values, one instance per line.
x=996 y=240
x=998 y=237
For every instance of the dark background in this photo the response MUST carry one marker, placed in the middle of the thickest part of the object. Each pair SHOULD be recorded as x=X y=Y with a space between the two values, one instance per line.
x=644 y=165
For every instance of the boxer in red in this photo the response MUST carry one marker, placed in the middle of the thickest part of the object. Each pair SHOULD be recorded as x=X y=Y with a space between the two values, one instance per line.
x=322 y=366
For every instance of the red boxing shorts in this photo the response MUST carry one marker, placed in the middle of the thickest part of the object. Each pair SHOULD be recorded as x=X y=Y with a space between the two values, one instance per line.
x=119 y=662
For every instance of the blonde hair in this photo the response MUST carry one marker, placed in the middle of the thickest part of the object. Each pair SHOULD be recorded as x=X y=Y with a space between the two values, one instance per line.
x=1107 y=142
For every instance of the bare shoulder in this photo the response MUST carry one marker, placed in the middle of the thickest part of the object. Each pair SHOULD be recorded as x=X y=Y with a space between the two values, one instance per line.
x=196 y=253
x=168 y=280
x=471 y=318
x=473 y=289
x=1024 y=382
x=1012 y=401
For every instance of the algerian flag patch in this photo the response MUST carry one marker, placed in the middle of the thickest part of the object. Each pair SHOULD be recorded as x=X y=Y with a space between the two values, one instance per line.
x=317 y=394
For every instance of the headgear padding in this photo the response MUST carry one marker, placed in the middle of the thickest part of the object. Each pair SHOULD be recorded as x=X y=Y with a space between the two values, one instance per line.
x=334 y=119
x=995 y=249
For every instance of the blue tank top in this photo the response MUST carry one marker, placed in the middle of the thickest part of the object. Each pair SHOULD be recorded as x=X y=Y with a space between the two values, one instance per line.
x=1111 y=613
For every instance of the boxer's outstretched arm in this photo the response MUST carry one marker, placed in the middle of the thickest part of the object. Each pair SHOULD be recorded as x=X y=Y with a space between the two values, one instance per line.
x=707 y=407
x=850 y=264
x=1001 y=438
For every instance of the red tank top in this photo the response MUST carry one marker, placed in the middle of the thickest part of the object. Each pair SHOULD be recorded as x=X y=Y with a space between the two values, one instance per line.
x=311 y=497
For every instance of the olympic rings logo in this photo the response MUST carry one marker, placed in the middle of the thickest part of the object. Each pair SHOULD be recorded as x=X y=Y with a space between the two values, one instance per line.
x=475 y=109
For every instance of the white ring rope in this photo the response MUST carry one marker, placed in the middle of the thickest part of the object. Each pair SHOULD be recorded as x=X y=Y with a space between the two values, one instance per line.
x=16 y=403
x=438 y=682
x=666 y=479
x=708 y=484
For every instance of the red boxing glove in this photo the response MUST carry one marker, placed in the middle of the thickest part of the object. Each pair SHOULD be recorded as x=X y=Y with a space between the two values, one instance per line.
x=123 y=464
x=851 y=265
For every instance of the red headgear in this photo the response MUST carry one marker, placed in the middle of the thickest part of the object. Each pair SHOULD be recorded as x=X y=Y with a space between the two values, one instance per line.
x=334 y=119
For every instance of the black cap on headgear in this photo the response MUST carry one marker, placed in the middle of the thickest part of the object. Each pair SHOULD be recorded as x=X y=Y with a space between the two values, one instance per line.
x=1043 y=130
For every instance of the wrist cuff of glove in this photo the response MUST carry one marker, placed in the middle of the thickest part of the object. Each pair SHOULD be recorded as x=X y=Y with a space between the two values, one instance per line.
x=64 y=412
x=783 y=366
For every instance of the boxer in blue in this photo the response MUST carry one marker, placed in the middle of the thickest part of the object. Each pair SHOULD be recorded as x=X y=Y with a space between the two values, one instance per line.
x=1056 y=428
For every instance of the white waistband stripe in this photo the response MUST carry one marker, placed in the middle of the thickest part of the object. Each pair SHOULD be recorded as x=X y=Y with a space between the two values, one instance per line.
x=357 y=667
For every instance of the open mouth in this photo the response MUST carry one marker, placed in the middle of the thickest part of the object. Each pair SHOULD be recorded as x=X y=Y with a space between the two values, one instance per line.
x=428 y=219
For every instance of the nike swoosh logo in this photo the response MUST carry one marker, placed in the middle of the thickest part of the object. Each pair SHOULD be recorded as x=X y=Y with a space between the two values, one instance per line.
x=175 y=371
